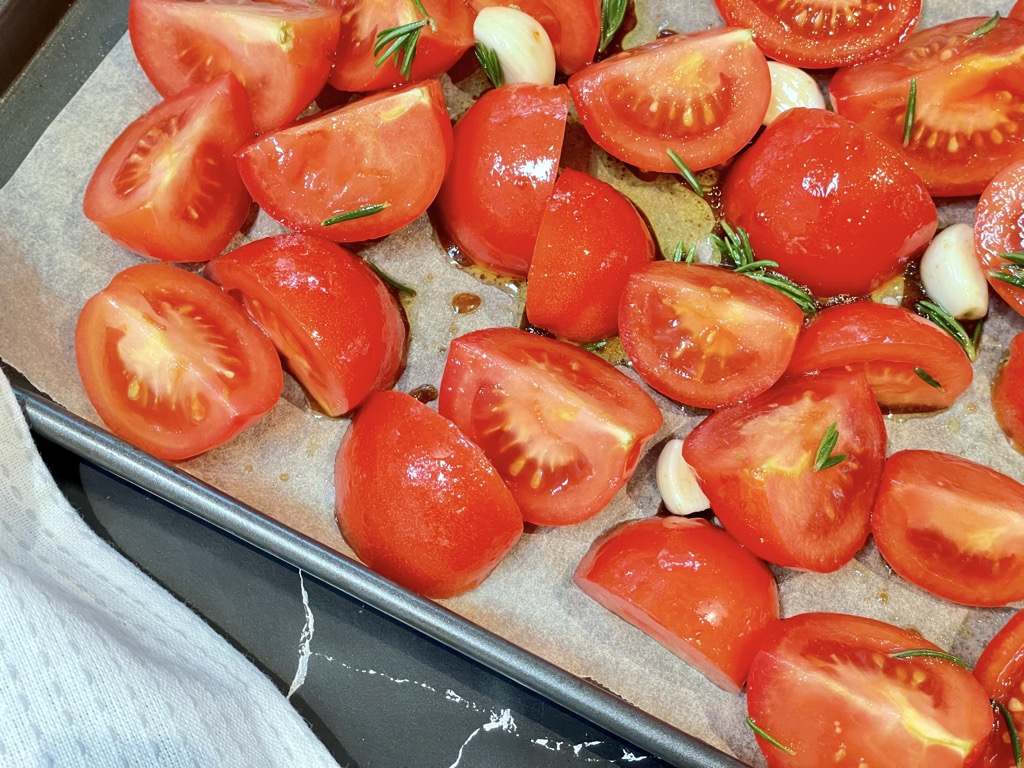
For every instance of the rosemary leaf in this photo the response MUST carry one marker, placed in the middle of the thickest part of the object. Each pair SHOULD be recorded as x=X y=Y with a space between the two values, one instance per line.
x=928 y=653
x=1007 y=277
x=613 y=13
x=908 y=121
x=824 y=458
x=764 y=735
x=789 y=289
x=686 y=173
x=984 y=29
x=1011 y=730
x=356 y=213
x=595 y=346
x=1017 y=258
x=949 y=324
x=679 y=253
x=927 y=378
x=488 y=59
x=399 y=43
x=400 y=287
x=759 y=264
x=691 y=255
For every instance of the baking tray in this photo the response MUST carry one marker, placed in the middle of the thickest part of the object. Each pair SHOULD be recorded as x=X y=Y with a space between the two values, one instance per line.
x=55 y=70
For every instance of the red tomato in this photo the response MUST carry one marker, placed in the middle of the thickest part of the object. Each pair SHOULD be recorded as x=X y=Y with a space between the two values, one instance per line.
x=171 y=363
x=418 y=502
x=591 y=238
x=702 y=95
x=168 y=187
x=1008 y=393
x=999 y=229
x=1000 y=670
x=564 y=429
x=503 y=172
x=826 y=687
x=1017 y=12
x=890 y=345
x=353 y=157
x=834 y=206
x=703 y=335
x=688 y=585
x=439 y=45
x=970 y=99
x=335 y=323
x=756 y=464
x=816 y=35
x=280 y=50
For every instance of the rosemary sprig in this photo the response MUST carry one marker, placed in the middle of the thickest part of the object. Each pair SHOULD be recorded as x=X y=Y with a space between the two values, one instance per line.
x=927 y=378
x=399 y=43
x=356 y=213
x=950 y=325
x=824 y=458
x=682 y=254
x=400 y=287
x=1011 y=730
x=908 y=121
x=789 y=289
x=985 y=28
x=488 y=59
x=928 y=653
x=613 y=12
x=764 y=735
x=686 y=173
x=595 y=346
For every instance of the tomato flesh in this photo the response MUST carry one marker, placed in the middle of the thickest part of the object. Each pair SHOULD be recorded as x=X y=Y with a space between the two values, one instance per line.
x=1000 y=670
x=1008 y=393
x=999 y=229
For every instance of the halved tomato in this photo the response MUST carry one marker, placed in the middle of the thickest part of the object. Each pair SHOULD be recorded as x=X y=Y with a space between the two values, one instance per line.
x=168 y=187
x=1008 y=393
x=281 y=51
x=967 y=122
x=564 y=429
x=1017 y=12
x=1000 y=670
x=702 y=95
x=999 y=230
x=171 y=363
x=359 y=163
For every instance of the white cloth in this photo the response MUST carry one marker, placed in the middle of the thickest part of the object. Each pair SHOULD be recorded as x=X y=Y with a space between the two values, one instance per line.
x=99 y=666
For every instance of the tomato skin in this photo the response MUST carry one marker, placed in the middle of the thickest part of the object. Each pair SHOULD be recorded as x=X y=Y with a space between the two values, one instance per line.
x=503 y=171
x=171 y=362
x=887 y=344
x=173 y=161
x=331 y=318
x=690 y=586
x=590 y=239
x=418 y=502
x=564 y=429
x=703 y=335
x=1000 y=670
x=614 y=99
x=999 y=229
x=814 y=190
x=1007 y=389
x=351 y=157
x=825 y=686
x=755 y=463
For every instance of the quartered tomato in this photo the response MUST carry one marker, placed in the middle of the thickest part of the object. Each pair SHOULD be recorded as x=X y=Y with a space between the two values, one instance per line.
x=772 y=484
x=1008 y=393
x=817 y=35
x=999 y=230
x=702 y=95
x=1000 y=670
x=281 y=51
x=171 y=363
x=379 y=160
x=911 y=364
x=969 y=107
x=826 y=687
x=333 y=320
x=168 y=186
x=564 y=429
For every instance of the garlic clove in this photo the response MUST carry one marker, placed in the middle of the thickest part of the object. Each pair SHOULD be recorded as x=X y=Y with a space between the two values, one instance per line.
x=522 y=46
x=791 y=88
x=952 y=275
x=677 y=482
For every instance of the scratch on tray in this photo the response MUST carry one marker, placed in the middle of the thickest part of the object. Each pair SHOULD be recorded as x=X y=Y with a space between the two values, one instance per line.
x=629 y=757
x=304 y=641
x=503 y=721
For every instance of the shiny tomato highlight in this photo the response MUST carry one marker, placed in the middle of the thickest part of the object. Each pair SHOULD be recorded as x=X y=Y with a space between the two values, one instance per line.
x=1000 y=670
x=999 y=230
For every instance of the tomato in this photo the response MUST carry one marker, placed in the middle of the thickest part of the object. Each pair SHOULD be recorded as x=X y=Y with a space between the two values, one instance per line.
x=590 y=239
x=897 y=350
x=756 y=464
x=970 y=99
x=439 y=45
x=817 y=35
x=1000 y=670
x=702 y=95
x=999 y=229
x=418 y=502
x=564 y=429
x=703 y=335
x=354 y=157
x=168 y=187
x=171 y=363
x=1007 y=389
x=834 y=206
x=505 y=162
x=826 y=687
x=333 y=320
x=690 y=586
x=281 y=51
x=1017 y=12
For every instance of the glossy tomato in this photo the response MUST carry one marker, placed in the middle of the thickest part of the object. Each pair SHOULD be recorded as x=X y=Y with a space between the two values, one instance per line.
x=760 y=464
x=816 y=35
x=590 y=239
x=281 y=51
x=1000 y=670
x=333 y=320
x=168 y=186
x=507 y=148
x=911 y=364
x=703 y=335
x=418 y=502
x=702 y=95
x=970 y=100
x=171 y=363
x=999 y=230
x=1008 y=393
x=1017 y=12
x=826 y=687
x=690 y=586
x=358 y=160
x=834 y=206
x=564 y=429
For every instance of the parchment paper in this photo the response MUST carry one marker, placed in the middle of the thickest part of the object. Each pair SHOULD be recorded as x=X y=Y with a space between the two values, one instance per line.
x=54 y=260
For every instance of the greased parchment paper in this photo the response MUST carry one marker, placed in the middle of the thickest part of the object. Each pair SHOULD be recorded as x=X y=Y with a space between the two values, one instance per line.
x=54 y=260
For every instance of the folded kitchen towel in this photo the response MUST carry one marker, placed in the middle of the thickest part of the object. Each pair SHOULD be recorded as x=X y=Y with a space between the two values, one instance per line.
x=99 y=666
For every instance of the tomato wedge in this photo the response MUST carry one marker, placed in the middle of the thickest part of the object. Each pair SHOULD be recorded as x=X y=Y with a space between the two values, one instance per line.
x=1000 y=670
x=171 y=362
x=1008 y=393
x=999 y=231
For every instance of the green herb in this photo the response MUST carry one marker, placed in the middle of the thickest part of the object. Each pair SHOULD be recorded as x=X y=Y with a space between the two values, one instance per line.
x=1009 y=274
x=789 y=289
x=1017 y=258
x=613 y=12
x=908 y=121
x=357 y=213
x=488 y=59
x=949 y=324
x=927 y=378
x=824 y=458
x=595 y=346
x=1011 y=730
x=686 y=173
x=976 y=335
x=399 y=43
x=691 y=255
x=400 y=287
x=764 y=735
x=928 y=653
x=682 y=254
x=985 y=28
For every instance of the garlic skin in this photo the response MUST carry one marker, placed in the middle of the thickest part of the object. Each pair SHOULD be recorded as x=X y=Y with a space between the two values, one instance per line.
x=952 y=275
x=677 y=482
x=520 y=42
x=791 y=88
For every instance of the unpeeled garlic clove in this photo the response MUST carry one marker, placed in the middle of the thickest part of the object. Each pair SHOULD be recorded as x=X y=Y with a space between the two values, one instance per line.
x=952 y=275
x=791 y=88
x=677 y=482
x=520 y=42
